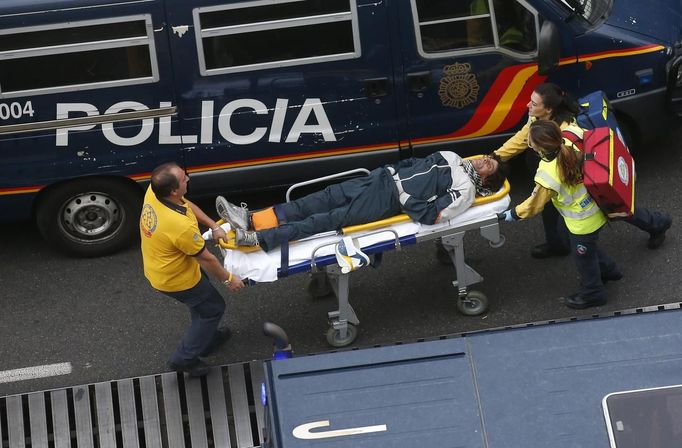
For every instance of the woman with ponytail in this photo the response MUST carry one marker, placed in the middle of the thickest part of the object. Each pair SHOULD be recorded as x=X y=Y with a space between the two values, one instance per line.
x=559 y=179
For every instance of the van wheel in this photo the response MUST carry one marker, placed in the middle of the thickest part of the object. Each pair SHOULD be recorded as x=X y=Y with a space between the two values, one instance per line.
x=90 y=217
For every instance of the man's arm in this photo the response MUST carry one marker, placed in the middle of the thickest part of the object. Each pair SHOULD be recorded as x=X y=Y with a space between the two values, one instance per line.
x=204 y=219
x=210 y=264
x=459 y=200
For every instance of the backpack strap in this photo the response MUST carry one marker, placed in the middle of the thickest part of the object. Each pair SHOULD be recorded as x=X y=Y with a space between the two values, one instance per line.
x=573 y=136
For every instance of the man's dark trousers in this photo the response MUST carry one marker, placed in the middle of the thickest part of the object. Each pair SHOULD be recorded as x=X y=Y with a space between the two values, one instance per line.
x=206 y=307
x=356 y=201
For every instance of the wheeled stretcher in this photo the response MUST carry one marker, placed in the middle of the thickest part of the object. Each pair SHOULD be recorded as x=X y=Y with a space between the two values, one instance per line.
x=316 y=256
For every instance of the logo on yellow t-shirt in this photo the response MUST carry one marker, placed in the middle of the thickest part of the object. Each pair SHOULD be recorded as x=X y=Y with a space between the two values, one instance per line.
x=148 y=221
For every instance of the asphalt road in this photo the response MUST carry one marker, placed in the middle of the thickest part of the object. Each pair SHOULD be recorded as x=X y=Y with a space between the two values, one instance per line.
x=101 y=316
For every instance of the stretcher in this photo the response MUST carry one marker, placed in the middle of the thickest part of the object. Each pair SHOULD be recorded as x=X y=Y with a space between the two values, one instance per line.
x=317 y=256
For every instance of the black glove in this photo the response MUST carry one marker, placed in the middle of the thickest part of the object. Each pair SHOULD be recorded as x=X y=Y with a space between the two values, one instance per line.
x=506 y=216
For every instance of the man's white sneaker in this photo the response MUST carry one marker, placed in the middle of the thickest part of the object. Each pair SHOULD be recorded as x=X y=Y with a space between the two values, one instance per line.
x=246 y=238
x=238 y=217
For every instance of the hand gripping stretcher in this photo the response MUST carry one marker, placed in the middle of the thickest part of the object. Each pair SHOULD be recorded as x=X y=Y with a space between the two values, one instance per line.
x=322 y=255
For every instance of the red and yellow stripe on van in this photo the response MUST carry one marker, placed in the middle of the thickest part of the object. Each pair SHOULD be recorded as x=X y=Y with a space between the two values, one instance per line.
x=20 y=190
x=509 y=95
x=507 y=98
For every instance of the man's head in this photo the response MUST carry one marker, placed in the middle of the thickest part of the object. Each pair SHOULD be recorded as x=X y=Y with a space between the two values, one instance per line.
x=491 y=170
x=169 y=181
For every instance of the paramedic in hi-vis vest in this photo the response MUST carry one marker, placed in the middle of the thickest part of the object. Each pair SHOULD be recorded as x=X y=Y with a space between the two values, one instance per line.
x=549 y=102
x=559 y=178
x=174 y=257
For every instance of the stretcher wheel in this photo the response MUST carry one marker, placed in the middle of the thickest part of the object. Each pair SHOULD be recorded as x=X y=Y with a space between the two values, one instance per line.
x=473 y=304
x=498 y=243
x=318 y=285
x=334 y=336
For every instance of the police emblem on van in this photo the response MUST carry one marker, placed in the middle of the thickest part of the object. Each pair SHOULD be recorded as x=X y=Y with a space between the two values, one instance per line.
x=458 y=87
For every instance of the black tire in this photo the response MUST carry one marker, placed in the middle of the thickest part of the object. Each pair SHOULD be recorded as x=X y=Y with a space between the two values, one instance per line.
x=474 y=304
x=90 y=217
x=334 y=336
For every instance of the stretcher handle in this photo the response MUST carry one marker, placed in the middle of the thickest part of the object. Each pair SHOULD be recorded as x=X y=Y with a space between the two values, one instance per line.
x=324 y=178
x=231 y=242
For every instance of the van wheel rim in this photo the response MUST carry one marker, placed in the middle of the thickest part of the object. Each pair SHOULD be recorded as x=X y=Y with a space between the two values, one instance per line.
x=90 y=216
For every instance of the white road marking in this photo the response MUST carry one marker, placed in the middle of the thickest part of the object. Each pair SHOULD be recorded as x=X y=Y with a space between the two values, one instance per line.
x=30 y=373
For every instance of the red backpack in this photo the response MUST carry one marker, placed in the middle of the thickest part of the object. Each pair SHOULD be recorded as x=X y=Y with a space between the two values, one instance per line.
x=608 y=169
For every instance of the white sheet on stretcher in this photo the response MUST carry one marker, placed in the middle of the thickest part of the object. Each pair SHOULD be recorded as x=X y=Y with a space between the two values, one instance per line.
x=262 y=266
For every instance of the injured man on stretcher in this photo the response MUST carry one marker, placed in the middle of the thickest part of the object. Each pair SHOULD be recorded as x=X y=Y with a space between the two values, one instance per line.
x=429 y=190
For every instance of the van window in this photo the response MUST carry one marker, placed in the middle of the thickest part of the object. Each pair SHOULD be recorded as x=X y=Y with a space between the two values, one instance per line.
x=445 y=26
x=254 y=35
x=593 y=11
x=72 y=56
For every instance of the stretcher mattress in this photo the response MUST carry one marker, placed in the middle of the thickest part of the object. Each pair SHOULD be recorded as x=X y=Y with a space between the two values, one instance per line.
x=263 y=266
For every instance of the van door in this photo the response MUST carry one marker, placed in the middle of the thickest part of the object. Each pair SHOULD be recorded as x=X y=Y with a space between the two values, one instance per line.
x=277 y=92
x=81 y=93
x=82 y=63
x=468 y=70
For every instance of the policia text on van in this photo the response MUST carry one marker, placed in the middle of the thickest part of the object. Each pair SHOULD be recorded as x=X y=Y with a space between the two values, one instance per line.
x=252 y=94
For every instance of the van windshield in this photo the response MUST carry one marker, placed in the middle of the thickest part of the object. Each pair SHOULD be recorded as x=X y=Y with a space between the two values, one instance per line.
x=593 y=11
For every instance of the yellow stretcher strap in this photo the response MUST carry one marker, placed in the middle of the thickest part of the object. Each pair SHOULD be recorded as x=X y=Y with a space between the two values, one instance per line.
x=480 y=200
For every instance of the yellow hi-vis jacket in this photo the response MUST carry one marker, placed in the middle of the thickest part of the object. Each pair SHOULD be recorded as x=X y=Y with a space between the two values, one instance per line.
x=574 y=203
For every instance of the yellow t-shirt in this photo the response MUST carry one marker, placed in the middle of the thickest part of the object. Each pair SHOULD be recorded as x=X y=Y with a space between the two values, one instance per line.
x=170 y=240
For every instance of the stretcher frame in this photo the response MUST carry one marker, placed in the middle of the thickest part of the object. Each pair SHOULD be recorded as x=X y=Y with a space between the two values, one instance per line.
x=326 y=275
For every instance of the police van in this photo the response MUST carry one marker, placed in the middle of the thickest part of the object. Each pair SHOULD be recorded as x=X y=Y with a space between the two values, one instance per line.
x=247 y=94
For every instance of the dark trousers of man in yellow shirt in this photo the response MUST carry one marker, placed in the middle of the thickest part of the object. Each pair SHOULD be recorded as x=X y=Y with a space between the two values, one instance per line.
x=206 y=306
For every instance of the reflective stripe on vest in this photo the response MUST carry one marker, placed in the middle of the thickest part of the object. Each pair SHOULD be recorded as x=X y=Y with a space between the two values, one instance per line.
x=581 y=213
x=566 y=197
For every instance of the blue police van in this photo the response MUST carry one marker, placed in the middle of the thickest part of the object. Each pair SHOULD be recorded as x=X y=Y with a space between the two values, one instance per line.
x=248 y=94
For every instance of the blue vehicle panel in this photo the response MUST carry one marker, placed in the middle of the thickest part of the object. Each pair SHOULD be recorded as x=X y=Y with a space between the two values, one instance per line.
x=248 y=94
x=537 y=386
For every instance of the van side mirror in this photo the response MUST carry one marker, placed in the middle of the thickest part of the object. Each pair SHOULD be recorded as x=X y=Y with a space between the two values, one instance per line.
x=549 y=48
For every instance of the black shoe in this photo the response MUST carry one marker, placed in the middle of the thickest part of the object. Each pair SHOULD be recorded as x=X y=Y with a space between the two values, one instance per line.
x=195 y=369
x=611 y=277
x=544 y=250
x=656 y=239
x=219 y=338
x=579 y=302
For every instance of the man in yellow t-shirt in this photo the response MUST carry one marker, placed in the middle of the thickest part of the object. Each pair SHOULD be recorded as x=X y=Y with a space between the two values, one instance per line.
x=174 y=254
